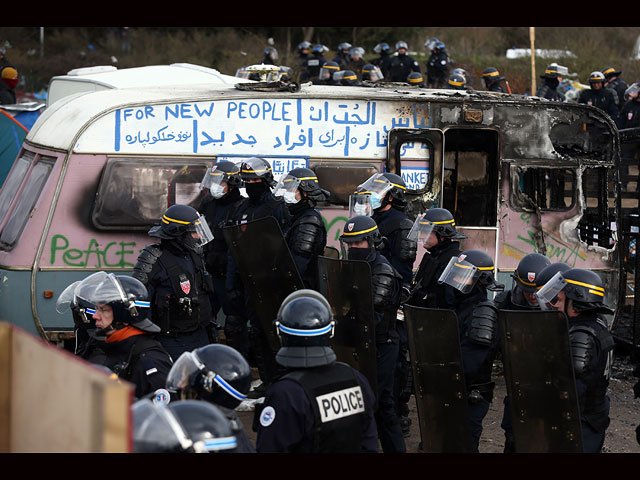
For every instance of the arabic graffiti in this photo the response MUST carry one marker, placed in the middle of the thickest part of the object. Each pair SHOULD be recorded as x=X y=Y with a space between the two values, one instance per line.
x=93 y=256
x=298 y=126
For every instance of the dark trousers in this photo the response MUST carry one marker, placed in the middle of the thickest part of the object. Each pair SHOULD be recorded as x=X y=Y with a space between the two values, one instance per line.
x=509 y=441
x=177 y=344
x=389 y=430
x=402 y=386
x=477 y=411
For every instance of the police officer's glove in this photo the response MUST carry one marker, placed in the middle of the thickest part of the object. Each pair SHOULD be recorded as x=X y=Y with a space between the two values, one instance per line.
x=405 y=294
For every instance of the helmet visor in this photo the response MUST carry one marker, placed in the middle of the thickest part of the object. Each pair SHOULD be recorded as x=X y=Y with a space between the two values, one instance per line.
x=287 y=185
x=67 y=298
x=201 y=231
x=186 y=365
x=101 y=288
x=420 y=230
x=548 y=295
x=155 y=429
x=460 y=274
x=377 y=183
x=255 y=166
x=359 y=204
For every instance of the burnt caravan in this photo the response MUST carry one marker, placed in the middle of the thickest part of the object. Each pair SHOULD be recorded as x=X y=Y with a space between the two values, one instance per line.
x=97 y=170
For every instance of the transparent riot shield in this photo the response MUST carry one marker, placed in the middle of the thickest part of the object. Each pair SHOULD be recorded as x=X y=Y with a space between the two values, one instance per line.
x=346 y=284
x=540 y=381
x=441 y=394
x=266 y=268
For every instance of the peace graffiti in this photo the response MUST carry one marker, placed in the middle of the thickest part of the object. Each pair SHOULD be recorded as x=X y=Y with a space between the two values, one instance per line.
x=93 y=256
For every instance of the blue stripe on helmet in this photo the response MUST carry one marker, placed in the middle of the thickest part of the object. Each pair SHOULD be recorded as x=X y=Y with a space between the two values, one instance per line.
x=140 y=303
x=228 y=388
x=306 y=333
x=223 y=443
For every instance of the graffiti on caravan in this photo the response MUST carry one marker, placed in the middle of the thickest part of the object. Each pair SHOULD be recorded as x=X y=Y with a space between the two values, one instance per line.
x=287 y=126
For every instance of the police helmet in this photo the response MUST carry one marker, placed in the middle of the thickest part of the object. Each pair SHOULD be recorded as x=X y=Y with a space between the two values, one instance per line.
x=349 y=78
x=439 y=46
x=180 y=222
x=554 y=71
x=526 y=275
x=377 y=186
x=328 y=69
x=401 y=44
x=186 y=426
x=471 y=268
x=319 y=49
x=431 y=43
x=491 y=75
x=371 y=73
x=397 y=191
x=460 y=71
x=586 y=289
x=356 y=52
x=304 y=46
x=127 y=297
x=357 y=229
x=547 y=288
x=415 y=78
x=610 y=72
x=443 y=223
x=219 y=173
x=271 y=53
x=305 y=326
x=549 y=271
x=456 y=82
x=382 y=47
x=256 y=167
x=303 y=179
x=216 y=373
x=632 y=91
x=595 y=77
x=344 y=46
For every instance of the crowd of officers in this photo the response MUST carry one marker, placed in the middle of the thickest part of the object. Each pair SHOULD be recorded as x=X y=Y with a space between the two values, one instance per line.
x=158 y=327
x=607 y=90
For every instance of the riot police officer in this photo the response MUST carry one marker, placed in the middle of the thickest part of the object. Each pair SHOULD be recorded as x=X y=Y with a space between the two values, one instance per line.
x=270 y=56
x=615 y=83
x=355 y=61
x=361 y=240
x=371 y=73
x=222 y=184
x=456 y=82
x=217 y=374
x=630 y=113
x=326 y=74
x=342 y=54
x=306 y=234
x=438 y=66
x=401 y=65
x=176 y=277
x=386 y=192
x=382 y=62
x=120 y=306
x=300 y=61
x=257 y=175
x=315 y=62
x=491 y=79
x=521 y=296
x=470 y=276
x=186 y=426
x=317 y=405
x=435 y=231
x=551 y=78
x=415 y=79
x=600 y=96
x=579 y=293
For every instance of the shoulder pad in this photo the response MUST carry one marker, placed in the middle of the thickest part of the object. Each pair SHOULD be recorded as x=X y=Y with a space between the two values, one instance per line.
x=146 y=260
x=386 y=269
x=484 y=323
x=312 y=219
x=583 y=345
x=406 y=224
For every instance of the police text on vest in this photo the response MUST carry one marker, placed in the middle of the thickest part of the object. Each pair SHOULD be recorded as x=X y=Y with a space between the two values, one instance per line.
x=340 y=404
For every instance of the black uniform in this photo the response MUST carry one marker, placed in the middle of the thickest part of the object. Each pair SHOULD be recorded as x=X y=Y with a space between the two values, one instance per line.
x=299 y=415
x=139 y=359
x=549 y=90
x=401 y=66
x=592 y=350
x=603 y=98
x=179 y=289
x=629 y=114
x=216 y=252
x=383 y=62
x=619 y=86
x=307 y=238
x=438 y=69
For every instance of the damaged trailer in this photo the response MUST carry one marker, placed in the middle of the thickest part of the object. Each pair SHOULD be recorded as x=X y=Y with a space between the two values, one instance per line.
x=97 y=170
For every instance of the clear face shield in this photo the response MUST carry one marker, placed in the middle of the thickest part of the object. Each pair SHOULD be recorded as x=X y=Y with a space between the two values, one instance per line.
x=376 y=187
x=200 y=231
x=187 y=364
x=460 y=274
x=375 y=75
x=287 y=188
x=421 y=231
x=67 y=298
x=103 y=288
x=548 y=295
x=214 y=181
x=155 y=428
x=359 y=205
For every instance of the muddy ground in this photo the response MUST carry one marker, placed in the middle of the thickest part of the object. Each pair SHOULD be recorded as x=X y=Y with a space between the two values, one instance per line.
x=620 y=437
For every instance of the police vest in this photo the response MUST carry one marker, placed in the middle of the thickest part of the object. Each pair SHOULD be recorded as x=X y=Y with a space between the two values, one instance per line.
x=338 y=406
x=187 y=307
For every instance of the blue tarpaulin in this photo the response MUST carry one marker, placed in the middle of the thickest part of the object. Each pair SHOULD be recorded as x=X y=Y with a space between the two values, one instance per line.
x=12 y=134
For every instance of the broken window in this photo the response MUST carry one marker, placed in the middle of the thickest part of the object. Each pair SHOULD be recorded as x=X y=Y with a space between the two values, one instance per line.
x=134 y=193
x=542 y=188
x=596 y=225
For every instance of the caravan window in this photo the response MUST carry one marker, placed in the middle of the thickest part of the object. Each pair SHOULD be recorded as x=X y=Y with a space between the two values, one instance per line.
x=542 y=188
x=12 y=185
x=33 y=185
x=134 y=193
x=596 y=224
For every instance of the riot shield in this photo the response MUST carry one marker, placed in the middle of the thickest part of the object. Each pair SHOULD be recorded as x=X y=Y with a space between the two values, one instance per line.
x=540 y=381
x=266 y=268
x=346 y=284
x=441 y=394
